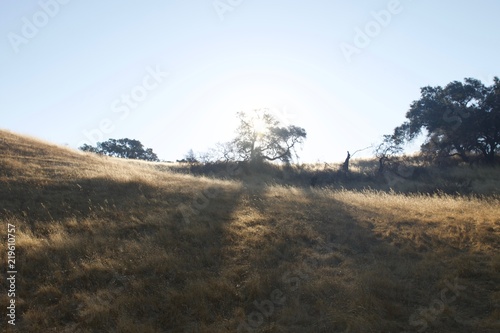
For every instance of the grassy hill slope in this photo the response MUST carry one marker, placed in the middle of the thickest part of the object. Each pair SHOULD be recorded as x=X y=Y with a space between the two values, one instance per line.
x=109 y=245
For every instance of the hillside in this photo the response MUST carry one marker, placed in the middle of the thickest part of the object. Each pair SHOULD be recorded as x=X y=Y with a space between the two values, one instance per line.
x=110 y=245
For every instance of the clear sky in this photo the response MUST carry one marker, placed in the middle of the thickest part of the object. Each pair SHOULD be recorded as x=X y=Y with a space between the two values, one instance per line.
x=173 y=73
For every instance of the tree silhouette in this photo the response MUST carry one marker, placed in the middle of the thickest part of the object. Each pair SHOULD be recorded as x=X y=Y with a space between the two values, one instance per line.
x=261 y=137
x=460 y=119
x=123 y=148
x=345 y=166
x=390 y=146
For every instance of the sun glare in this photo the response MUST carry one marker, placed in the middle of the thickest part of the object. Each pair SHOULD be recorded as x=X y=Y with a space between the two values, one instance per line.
x=259 y=125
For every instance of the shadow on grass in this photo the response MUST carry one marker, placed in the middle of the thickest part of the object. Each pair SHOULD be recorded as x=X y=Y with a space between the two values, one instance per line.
x=320 y=268
x=97 y=255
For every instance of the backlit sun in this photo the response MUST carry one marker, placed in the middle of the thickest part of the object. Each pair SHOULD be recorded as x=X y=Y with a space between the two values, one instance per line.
x=259 y=125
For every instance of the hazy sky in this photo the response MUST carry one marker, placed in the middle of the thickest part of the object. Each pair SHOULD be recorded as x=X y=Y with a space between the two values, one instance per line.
x=173 y=73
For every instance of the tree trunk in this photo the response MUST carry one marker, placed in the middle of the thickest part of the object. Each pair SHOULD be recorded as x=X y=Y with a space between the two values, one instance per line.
x=381 y=165
x=345 y=166
x=490 y=157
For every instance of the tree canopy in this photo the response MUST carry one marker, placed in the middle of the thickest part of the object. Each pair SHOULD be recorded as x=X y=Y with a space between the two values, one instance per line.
x=463 y=119
x=123 y=148
x=261 y=137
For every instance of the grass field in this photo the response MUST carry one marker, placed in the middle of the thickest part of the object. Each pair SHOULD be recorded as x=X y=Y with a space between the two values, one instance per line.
x=110 y=245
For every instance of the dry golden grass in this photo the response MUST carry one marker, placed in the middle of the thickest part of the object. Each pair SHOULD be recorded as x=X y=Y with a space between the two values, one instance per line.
x=103 y=247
